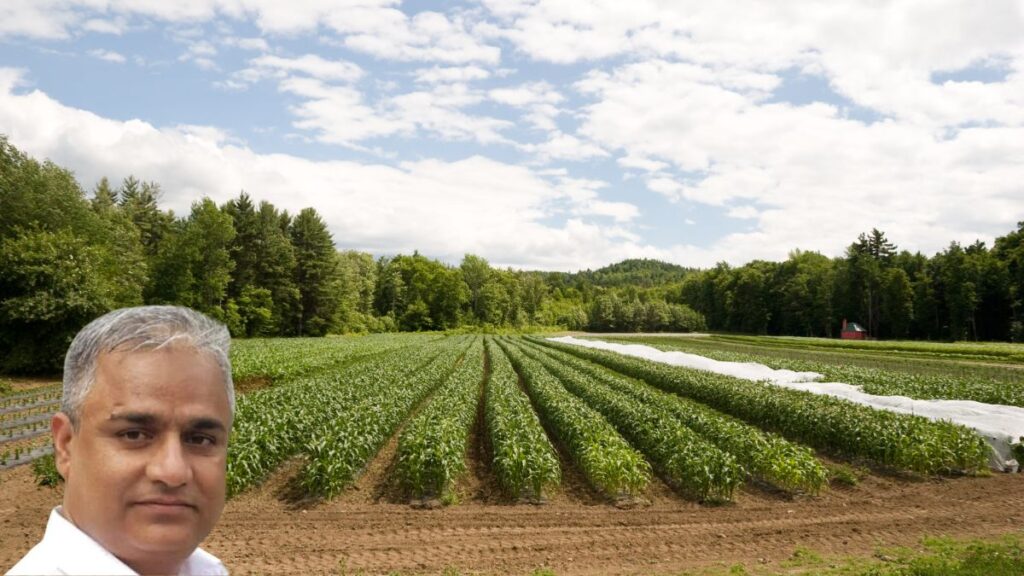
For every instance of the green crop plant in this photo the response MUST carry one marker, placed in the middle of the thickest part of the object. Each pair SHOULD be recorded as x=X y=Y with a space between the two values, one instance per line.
x=338 y=450
x=889 y=439
x=432 y=447
x=274 y=424
x=686 y=461
x=934 y=380
x=525 y=462
x=609 y=463
x=765 y=456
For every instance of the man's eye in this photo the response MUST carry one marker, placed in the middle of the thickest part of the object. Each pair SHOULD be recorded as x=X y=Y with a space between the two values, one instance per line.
x=133 y=435
x=201 y=440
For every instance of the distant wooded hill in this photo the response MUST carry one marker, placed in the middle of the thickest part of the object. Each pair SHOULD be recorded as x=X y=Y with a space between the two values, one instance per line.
x=640 y=272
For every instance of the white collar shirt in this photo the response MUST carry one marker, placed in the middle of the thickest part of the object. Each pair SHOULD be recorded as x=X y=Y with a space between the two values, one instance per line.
x=65 y=549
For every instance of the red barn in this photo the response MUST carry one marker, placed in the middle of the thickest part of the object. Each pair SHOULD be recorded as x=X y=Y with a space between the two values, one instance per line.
x=853 y=331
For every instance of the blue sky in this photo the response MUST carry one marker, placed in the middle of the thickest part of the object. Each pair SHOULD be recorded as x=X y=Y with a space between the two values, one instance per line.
x=541 y=133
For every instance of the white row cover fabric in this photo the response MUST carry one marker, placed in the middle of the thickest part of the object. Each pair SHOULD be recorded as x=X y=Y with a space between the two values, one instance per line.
x=1001 y=426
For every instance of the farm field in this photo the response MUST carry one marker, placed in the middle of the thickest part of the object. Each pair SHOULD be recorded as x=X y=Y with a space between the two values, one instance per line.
x=973 y=372
x=421 y=452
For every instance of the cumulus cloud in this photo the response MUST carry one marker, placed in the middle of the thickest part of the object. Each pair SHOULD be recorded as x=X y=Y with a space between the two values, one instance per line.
x=268 y=66
x=439 y=74
x=561 y=146
x=688 y=101
x=442 y=208
x=255 y=44
x=427 y=36
x=371 y=26
x=116 y=26
x=813 y=173
x=108 y=55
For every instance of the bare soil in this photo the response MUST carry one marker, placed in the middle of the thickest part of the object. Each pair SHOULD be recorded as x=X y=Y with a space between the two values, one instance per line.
x=370 y=529
x=21 y=384
x=252 y=384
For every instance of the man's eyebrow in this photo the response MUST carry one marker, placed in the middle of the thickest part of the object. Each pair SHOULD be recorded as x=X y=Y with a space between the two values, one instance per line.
x=150 y=420
x=140 y=418
x=207 y=424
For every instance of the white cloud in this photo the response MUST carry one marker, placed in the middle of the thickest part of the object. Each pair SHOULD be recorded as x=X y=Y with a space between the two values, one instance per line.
x=444 y=209
x=427 y=36
x=36 y=18
x=679 y=94
x=539 y=100
x=439 y=74
x=199 y=52
x=374 y=27
x=814 y=174
x=641 y=163
x=108 y=55
x=337 y=114
x=254 y=44
x=561 y=146
x=268 y=66
x=891 y=76
x=743 y=212
x=115 y=26
x=526 y=95
x=439 y=111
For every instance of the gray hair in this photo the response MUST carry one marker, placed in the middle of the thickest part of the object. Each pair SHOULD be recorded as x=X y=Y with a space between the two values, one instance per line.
x=140 y=328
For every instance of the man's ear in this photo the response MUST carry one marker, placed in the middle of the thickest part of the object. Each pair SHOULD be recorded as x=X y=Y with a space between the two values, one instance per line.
x=63 y=434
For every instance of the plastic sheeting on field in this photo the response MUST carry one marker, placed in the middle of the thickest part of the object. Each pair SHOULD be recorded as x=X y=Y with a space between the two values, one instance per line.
x=1001 y=426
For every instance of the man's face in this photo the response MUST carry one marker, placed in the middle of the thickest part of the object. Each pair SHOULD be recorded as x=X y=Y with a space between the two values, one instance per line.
x=145 y=468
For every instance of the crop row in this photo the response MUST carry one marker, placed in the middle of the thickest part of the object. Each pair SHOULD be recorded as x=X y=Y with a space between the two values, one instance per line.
x=274 y=424
x=829 y=424
x=985 y=351
x=878 y=381
x=606 y=459
x=48 y=396
x=11 y=456
x=25 y=429
x=20 y=415
x=765 y=456
x=524 y=460
x=354 y=431
x=679 y=455
x=284 y=359
x=432 y=446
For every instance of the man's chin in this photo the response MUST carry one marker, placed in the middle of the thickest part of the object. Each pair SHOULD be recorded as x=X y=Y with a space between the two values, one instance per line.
x=166 y=537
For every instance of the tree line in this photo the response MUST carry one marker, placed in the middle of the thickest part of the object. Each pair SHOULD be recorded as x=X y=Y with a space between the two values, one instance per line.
x=67 y=256
x=962 y=293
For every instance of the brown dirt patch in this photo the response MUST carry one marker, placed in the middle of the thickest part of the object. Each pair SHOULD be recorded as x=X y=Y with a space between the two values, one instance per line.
x=252 y=384
x=261 y=532
x=28 y=383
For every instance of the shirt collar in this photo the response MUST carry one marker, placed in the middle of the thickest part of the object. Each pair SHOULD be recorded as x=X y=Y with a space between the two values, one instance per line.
x=78 y=550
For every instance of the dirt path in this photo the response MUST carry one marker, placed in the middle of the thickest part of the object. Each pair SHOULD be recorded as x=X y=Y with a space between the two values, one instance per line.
x=262 y=532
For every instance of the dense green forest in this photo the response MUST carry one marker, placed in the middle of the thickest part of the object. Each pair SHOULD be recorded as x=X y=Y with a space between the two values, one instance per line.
x=67 y=256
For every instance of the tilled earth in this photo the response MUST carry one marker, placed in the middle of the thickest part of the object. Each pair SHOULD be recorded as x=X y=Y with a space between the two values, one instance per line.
x=369 y=529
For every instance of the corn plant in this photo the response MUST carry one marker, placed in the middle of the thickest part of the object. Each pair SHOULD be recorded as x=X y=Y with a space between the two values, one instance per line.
x=432 y=447
x=682 y=457
x=899 y=441
x=525 y=462
x=765 y=456
x=287 y=359
x=273 y=424
x=609 y=463
x=338 y=450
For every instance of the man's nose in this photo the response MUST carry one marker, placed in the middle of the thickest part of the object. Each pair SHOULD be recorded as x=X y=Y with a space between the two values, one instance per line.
x=169 y=464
